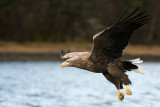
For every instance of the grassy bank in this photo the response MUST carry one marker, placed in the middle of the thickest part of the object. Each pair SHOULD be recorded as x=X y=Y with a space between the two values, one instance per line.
x=42 y=50
x=73 y=46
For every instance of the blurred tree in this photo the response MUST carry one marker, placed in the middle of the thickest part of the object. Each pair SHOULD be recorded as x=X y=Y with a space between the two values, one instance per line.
x=63 y=20
x=154 y=34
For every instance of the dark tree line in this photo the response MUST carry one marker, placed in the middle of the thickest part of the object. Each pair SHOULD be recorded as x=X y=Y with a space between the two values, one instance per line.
x=64 y=20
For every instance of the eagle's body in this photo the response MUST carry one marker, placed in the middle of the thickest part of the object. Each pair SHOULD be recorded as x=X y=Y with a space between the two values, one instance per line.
x=107 y=50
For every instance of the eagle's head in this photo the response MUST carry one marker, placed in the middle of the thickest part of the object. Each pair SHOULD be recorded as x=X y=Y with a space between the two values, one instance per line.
x=71 y=59
x=74 y=59
x=69 y=62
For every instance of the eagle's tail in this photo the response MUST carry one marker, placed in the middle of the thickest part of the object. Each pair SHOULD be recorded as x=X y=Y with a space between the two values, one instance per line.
x=129 y=65
x=139 y=69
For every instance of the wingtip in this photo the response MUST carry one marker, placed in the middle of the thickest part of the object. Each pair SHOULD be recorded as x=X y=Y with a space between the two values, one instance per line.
x=62 y=54
x=138 y=17
x=68 y=51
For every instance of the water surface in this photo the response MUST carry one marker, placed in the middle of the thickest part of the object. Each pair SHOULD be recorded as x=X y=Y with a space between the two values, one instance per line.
x=46 y=84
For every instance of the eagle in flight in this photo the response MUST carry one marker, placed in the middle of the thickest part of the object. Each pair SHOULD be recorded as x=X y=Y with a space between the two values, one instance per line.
x=107 y=51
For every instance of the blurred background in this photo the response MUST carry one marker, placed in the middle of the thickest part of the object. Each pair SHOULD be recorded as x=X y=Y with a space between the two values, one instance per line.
x=32 y=34
x=59 y=20
x=45 y=27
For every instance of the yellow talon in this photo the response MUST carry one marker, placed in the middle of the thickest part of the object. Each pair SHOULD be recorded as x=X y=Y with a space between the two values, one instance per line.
x=120 y=95
x=128 y=91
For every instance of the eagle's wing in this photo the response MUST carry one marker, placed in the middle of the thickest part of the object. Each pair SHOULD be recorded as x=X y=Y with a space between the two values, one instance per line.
x=113 y=40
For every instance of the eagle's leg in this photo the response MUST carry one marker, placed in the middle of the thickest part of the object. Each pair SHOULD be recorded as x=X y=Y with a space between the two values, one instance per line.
x=120 y=95
x=128 y=91
x=117 y=83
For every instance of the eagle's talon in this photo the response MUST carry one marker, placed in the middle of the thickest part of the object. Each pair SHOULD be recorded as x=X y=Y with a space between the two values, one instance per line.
x=128 y=91
x=120 y=95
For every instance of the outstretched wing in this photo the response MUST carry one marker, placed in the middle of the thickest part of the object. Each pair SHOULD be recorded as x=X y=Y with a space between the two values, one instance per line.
x=113 y=40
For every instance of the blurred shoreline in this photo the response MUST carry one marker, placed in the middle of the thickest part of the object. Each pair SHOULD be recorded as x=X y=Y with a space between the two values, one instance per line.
x=54 y=56
x=35 y=51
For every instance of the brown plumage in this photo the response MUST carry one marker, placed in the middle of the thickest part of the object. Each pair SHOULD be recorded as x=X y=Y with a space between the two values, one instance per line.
x=107 y=50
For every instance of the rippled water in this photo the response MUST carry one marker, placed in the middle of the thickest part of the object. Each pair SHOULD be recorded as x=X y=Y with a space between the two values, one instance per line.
x=46 y=84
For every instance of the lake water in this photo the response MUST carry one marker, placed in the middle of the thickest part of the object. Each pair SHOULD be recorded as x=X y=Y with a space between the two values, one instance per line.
x=46 y=84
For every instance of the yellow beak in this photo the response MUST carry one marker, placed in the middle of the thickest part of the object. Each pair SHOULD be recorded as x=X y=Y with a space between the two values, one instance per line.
x=64 y=64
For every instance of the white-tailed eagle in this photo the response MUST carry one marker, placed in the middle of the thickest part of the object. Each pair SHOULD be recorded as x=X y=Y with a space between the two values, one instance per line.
x=107 y=51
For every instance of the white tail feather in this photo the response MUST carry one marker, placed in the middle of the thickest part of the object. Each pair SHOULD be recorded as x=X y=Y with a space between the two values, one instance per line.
x=137 y=60
x=140 y=68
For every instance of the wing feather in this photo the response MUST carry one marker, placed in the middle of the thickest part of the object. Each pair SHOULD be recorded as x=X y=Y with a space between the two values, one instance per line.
x=111 y=41
x=130 y=15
